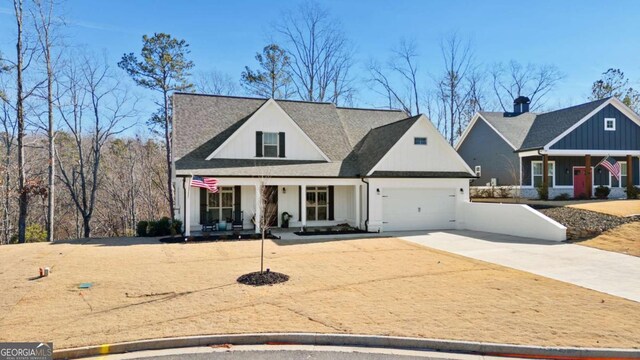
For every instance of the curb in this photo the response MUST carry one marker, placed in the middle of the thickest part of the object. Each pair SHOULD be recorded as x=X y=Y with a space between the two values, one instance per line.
x=405 y=343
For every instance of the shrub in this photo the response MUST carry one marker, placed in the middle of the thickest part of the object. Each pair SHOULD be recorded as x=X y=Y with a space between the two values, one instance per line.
x=162 y=227
x=563 y=196
x=504 y=192
x=141 y=228
x=33 y=233
x=176 y=227
x=543 y=193
x=602 y=192
x=632 y=192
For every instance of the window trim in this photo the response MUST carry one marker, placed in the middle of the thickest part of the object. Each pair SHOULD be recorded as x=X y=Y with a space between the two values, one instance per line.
x=417 y=140
x=607 y=128
x=264 y=144
x=317 y=190
x=620 y=182
x=478 y=170
x=222 y=189
x=552 y=165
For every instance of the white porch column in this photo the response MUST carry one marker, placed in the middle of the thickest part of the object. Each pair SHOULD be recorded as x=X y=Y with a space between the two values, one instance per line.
x=356 y=199
x=303 y=204
x=186 y=204
x=258 y=218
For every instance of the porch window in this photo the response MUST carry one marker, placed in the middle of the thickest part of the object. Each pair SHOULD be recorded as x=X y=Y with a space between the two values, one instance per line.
x=536 y=173
x=317 y=204
x=623 y=174
x=220 y=204
x=270 y=144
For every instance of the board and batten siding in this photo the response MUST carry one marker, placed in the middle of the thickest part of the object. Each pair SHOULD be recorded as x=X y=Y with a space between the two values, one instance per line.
x=591 y=134
x=242 y=145
x=437 y=155
x=484 y=147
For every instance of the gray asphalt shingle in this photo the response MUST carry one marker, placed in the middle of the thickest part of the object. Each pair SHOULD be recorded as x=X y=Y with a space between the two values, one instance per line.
x=533 y=131
x=204 y=122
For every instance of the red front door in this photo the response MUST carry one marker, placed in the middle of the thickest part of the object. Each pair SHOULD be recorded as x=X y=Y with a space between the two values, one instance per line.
x=579 y=182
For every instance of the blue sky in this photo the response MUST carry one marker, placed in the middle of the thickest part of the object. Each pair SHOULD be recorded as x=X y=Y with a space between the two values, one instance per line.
x=582 y=38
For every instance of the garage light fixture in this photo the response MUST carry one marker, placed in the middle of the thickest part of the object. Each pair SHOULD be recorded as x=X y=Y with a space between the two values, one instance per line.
x=461 y=191
x=378 y=191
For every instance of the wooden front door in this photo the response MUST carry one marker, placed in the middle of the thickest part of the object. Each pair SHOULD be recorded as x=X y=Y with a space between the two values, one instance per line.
x=271 y=208
x=579 y=182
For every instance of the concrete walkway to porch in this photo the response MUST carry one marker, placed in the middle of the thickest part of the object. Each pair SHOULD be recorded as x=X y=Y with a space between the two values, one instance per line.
x=599 y=270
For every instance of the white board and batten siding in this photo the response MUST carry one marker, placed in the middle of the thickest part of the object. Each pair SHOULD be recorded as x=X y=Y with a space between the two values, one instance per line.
x=418 y=203
x=269 y=118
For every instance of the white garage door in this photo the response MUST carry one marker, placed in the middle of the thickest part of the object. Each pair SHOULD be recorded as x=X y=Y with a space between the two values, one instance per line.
x=418 y=209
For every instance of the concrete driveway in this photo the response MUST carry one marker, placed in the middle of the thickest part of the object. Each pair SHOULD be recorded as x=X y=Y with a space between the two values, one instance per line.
x=599 y=270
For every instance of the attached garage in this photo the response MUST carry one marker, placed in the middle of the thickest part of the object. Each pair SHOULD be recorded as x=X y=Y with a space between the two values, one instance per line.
x=418 y=209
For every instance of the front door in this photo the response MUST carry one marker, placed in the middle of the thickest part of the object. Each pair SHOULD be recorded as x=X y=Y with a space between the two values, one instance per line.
x=271 y=208
x=579 y=182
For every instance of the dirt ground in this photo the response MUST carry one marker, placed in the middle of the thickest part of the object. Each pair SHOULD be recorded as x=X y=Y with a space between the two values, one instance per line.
x=143 y=289
x=623 y=239
x=613 y=207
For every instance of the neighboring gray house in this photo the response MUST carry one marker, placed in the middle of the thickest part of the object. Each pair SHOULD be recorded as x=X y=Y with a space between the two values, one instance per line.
x=516 y=149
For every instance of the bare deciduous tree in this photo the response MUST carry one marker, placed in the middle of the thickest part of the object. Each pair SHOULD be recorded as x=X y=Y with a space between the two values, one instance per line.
x=533 y=81
x=403 y=64
x=320 y=54
x=453 y=94
x=93 y=106
x=216 y=82
x=44 y=25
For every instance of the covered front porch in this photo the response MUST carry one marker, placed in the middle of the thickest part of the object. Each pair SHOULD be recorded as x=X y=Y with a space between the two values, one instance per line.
x=241 y=203
x=576 y=173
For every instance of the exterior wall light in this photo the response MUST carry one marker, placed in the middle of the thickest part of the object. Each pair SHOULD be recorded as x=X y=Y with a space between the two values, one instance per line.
x=284 y=190
x=461 y=191
x=378 y=191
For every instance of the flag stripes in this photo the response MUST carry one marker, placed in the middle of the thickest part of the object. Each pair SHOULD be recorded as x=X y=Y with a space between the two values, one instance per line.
x=211 y=184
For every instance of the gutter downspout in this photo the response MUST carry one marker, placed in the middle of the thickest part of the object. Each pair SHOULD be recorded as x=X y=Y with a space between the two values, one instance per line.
x=366 y=222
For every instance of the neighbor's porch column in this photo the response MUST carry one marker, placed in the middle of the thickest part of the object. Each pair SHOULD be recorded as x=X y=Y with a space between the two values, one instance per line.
x=629 y=172
x=258 y=216
x=303 y=205
x=186 y=204
x=587 y=176
x=356 y=199
x=545 y=174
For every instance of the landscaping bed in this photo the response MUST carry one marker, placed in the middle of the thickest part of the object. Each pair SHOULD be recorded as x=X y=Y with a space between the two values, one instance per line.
x=583 y=224
x=330 y=231
x=209 y=238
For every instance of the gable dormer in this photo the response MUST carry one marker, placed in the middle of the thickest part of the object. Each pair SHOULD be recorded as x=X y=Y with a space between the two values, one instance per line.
x=269 y=133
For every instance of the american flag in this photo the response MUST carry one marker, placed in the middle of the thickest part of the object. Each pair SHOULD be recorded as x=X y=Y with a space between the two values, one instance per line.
x=210 y=184
x=612 y=165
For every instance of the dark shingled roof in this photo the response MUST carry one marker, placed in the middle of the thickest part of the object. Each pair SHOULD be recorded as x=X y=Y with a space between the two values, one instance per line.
x=368 y=152
x=533 y=131
x=204 y=122
x=513 y=128
x=549 y=125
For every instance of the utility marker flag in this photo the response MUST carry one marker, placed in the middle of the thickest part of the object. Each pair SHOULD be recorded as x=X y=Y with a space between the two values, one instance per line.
x=210 y=184
x=612 y=165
